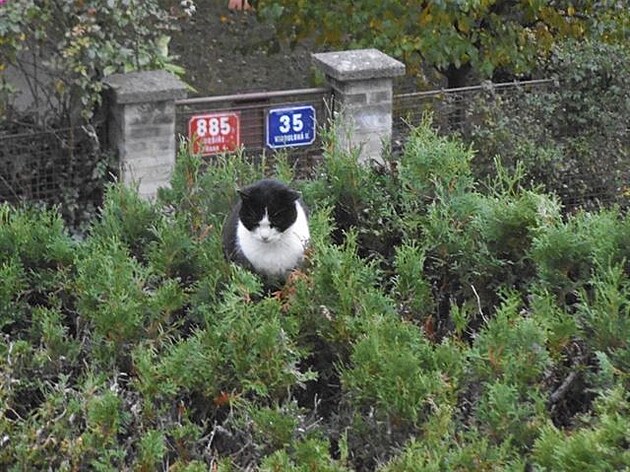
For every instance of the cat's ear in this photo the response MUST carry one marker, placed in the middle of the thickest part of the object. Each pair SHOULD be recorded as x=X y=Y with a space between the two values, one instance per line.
x=244 y=193
x=293 y=194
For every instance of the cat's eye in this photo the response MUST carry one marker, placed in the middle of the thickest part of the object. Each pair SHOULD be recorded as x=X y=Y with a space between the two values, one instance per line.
x=279 y=213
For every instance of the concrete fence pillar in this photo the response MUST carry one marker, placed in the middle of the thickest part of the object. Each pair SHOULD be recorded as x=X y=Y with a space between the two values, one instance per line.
x=142 y=126
x=362 y=81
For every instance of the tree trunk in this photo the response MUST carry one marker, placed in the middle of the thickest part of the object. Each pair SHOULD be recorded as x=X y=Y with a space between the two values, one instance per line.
x=457 y=76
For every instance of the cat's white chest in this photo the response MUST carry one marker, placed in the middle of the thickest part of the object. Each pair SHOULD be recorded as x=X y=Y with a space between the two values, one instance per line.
x=275 y=256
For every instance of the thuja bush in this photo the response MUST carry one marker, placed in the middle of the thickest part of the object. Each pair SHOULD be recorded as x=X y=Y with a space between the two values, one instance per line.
x=438 y=323
x=568 y=253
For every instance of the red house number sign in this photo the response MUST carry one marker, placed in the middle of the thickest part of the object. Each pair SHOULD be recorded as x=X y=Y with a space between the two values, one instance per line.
x=214 y=133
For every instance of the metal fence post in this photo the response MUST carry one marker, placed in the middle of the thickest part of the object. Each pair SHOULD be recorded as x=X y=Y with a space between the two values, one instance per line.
x=362 y=82
x=141 y=126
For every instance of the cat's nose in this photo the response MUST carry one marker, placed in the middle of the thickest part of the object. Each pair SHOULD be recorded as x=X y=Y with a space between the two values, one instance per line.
x=265 y=234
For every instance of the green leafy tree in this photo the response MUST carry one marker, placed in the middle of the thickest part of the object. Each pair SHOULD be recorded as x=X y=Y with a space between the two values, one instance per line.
x=480 y=38
x=60 y=50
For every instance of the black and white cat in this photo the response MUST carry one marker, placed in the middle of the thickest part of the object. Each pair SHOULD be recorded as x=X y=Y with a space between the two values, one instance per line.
x=267 y=230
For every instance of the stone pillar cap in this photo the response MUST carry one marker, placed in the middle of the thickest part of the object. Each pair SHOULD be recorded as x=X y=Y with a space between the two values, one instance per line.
x=358 y=64
x=146 y=86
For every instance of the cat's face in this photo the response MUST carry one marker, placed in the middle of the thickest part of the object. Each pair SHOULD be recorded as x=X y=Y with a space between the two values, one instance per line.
x=268 y=209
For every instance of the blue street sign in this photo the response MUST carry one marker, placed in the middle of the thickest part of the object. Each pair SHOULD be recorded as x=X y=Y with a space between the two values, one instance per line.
x=292 y=126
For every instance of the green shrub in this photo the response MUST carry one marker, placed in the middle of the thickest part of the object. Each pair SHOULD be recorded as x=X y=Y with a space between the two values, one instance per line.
x=151 y=451
x=510 y=347
x=311 y=454
x=393 y=384
x=599 y=444
x=111 y=296
x=245 y=348
x=396 y=371
x=433 y=166
x=175 y=253
x=411 y=286
x=129 y=218
x=37 y=238
x=36 y=260
x=14 y=284
x=559 y=325
x=507 y=414
x=484 y=331
x=570 y=138
x=477 y=245
x=204 y=194
x=57 y=343
x=604 y=316
x=275 y=426
x=362 y=198
x=566 y=254
x=467 y=451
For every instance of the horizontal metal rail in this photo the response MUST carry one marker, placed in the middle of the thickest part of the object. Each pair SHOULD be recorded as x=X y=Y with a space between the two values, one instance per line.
x=490 y=86
x=252 y=97
x=36 y=133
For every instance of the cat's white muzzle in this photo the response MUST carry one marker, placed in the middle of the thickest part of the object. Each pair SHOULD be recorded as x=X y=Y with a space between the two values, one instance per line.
x=271 y=252
x=265 y=232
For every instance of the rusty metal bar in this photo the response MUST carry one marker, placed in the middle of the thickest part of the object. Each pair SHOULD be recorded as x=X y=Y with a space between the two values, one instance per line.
x=472 y=88
x=249 y=97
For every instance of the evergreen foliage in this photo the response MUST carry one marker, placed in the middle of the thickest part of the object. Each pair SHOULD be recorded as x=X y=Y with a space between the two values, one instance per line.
x=438 y=324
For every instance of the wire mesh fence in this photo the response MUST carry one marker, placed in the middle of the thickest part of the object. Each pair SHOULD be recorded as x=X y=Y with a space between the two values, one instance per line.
x=261 y=124
x=61 y=166
x=521 y=123
x=508 y=119
x=458 y=110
